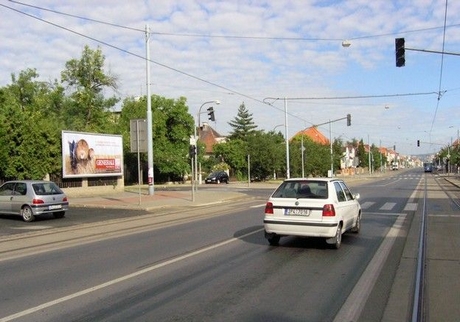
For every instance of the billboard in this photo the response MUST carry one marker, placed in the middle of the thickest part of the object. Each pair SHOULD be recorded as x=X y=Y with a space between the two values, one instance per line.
x=91 y=155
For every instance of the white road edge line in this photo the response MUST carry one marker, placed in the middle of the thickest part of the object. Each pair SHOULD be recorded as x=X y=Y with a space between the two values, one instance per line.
x=122 y=279
x=354 y=304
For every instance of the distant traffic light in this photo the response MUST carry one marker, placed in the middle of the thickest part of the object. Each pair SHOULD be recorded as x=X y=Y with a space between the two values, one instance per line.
x=192 y=151
x=348 y=119
x=400 y=52
x=418 y=142
x=211 y=114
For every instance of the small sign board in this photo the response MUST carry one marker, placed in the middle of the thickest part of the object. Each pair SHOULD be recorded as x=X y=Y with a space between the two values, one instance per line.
x=138 y=135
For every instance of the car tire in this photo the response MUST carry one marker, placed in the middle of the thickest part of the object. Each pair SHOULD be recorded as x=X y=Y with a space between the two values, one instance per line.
x=336 y=241
x=273 y=239
x=59 y=214
x=27 y=214
x=357 y=227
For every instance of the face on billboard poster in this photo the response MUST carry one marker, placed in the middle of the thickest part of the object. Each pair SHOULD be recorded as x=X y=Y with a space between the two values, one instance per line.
x=91 y=155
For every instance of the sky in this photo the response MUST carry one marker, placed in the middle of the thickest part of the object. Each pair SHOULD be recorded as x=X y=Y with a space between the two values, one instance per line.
x=286 y=60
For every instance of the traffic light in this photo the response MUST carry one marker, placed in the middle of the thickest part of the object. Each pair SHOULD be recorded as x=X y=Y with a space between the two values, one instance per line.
x=418 y=142
x=400 y=52
x=192 y=151
x=211 y=114
x=348 y=119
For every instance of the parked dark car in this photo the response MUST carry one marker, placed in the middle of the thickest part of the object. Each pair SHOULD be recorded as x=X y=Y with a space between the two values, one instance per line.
x=30 y=198
x=217 y=177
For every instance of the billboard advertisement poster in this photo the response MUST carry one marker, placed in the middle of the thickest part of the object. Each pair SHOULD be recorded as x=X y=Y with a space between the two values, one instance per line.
x=91 y=155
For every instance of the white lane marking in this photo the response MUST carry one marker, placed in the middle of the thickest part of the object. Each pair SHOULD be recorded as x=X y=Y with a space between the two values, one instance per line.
x=367 y=204
x=444 y=216
x=258 y=206
x=384 y=213
x=410 y=206
x=33 y=227
x=388 y=206
x=122 y=278
x=354 y=304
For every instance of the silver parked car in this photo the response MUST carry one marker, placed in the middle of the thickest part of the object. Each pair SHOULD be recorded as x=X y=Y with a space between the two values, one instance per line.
x=314 y=207
x=30 y=198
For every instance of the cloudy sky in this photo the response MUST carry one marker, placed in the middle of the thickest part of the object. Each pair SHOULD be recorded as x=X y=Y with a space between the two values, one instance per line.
x=273 y=55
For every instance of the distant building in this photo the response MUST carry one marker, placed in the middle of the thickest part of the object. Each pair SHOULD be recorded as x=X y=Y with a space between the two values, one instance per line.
x=209 y=136
x=314 y=134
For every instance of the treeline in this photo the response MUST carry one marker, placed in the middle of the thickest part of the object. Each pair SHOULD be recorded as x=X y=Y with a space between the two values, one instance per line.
x=33 y=113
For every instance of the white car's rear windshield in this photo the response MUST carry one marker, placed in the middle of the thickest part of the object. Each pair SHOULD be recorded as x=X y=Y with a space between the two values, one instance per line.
x=302 y=189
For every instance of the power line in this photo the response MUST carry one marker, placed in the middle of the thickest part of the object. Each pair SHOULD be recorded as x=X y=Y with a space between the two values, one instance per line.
x=232 y=36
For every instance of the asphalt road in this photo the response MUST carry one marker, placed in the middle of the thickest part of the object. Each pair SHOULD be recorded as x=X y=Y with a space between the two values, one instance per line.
x=216 y=267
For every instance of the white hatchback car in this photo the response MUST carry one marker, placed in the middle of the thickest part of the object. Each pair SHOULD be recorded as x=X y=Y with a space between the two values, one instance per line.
x=313 y=207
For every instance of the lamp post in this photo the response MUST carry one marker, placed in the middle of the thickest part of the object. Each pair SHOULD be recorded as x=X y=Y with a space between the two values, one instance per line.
x=149 y=114
x=286 y=130
x=195 y=163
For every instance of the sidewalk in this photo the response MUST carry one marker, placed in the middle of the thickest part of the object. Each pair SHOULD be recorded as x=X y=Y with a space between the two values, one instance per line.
x=163 y=197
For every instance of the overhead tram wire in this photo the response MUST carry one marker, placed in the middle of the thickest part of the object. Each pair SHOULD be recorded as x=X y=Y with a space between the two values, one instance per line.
x=136 y=55
x=193 y=76
x=233 y=36
x=441 y=70
x=144 y=58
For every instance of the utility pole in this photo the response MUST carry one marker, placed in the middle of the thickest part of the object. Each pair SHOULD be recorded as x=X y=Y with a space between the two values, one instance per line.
x=149 y=114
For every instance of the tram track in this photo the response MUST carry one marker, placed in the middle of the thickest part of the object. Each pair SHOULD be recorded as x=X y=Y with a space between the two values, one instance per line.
x=421 y=296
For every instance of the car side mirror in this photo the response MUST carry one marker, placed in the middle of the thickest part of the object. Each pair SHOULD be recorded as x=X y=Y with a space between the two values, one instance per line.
x=356 y=196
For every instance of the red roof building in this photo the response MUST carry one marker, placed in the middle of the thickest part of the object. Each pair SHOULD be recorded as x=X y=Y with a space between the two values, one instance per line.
x=314 y=134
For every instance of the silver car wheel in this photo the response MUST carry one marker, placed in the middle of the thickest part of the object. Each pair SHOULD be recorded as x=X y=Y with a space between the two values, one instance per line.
x=27 y=214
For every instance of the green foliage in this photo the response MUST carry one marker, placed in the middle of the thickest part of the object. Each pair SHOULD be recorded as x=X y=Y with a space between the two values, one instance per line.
x=88 y=109
x=30 y=137
x=172 y=127
x=243 y=124
x=317 y=157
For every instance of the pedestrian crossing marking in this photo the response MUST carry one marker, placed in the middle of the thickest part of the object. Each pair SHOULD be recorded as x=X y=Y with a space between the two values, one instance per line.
x=388 y=206
x=367 y=204
x=410 y=206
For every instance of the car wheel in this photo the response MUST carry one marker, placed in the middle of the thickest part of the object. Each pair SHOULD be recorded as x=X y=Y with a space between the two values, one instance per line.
x=27 y=214
x=336 y=241
x=273 y=239
x=226 y=181
x=60 y=214
x=357 y=226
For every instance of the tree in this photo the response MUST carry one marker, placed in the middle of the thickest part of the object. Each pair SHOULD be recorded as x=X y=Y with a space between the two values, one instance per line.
x=30 y=140
x=317 y=158
x=86 y=78
x=171 y=130
x=243 y=124
x=267 y=153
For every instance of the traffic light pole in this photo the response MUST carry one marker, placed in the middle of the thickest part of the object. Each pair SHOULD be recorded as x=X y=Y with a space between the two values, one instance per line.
x=348 y=118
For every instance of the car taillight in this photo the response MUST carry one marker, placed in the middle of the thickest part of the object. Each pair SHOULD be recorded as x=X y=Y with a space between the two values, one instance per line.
x=269 y=208
x=37 y=201
x=64 y=199
x=328 y=210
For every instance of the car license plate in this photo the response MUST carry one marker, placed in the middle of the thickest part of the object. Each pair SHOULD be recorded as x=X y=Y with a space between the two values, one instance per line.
x=297 y=212
x=52 y=207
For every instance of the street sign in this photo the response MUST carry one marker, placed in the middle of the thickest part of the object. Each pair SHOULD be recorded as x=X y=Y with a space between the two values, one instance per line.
x=138 y=135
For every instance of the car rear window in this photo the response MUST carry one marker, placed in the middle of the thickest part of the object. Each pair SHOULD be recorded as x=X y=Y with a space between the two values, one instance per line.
x=46 y=188
x=302 y=189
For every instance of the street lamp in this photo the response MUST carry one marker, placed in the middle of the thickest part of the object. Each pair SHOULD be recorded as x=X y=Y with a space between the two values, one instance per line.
x=286 y=130
x=217 y=102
